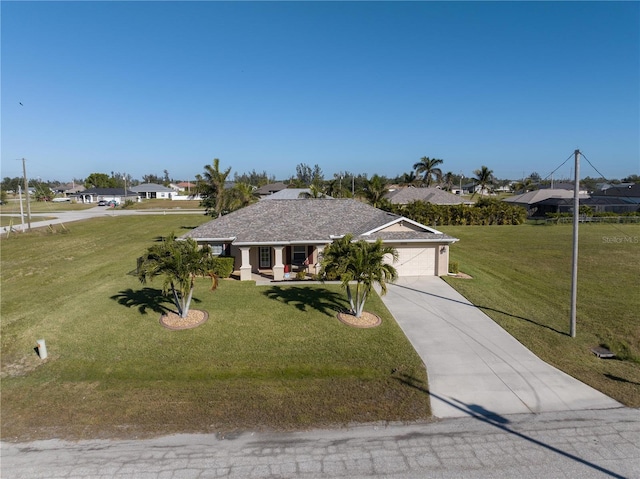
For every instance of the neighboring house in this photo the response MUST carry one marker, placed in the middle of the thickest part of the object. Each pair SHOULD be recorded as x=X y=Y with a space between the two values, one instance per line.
x=616 y=199
x=290 y=194
x=149 y=191
x=504 y=188
x=471 y=188
x=565 y=186
x=69 y=189
x=540 y=202
x=270 y=189
x=606 y=186
x=621 y=191
x=186 y=186
x=403 y=196
x=271 y=236
x=93 y=195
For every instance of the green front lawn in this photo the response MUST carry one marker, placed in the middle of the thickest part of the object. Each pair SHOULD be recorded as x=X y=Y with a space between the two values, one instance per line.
x=268 y=357
x=13 y=206
x=522 y=279
x=166 y=204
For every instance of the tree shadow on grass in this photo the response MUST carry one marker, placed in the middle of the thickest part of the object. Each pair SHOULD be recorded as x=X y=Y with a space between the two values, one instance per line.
x=304 y=297
x=145 y=299
x=619 y=379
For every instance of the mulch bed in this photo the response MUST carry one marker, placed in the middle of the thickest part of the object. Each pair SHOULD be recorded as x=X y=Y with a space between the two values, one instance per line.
x=194 y=318
x=461 y=276
x=366 y=320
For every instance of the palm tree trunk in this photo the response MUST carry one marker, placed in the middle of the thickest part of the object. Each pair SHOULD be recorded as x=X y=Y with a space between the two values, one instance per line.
x=186 y=304
x=350 y=297
x=361 y=304
x=176 y=300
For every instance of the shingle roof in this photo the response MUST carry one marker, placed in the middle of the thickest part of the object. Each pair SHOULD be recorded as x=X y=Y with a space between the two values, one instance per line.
x=270 y=188
x=151 y=187
x=287 y=194
x=625 y=191
x=108 y=192
x=304 y=221
x=537 y=196
x=436 y=196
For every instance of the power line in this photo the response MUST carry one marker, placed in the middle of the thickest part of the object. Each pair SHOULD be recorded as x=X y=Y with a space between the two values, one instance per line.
x=625 y=195
x=568 y=158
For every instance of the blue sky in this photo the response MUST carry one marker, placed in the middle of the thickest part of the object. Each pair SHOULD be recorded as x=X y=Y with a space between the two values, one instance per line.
x=365 y=87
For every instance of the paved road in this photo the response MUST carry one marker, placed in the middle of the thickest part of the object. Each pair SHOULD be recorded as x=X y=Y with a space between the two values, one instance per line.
x=97 y=211
x=586 y=444
x=475 y=365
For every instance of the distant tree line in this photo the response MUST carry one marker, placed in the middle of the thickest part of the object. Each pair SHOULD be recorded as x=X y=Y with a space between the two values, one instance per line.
x=213 y=183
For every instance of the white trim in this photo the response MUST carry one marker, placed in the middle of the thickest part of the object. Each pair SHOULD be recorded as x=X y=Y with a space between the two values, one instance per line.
x=281 y=243
x=223 y=240
x=434 y=240
x=398 y=220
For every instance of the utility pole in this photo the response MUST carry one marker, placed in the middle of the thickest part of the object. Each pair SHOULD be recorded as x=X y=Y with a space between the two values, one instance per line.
x=26 y=189
x=574 y=264
x=21 y=209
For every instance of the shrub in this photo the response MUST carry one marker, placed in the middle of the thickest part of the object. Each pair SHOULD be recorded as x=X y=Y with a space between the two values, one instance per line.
x=454 y=267
x=301 y=274
x=223 y=266
x=487 y=211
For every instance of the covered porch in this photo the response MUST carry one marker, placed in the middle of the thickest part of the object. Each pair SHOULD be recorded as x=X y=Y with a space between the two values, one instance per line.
x=275 y=262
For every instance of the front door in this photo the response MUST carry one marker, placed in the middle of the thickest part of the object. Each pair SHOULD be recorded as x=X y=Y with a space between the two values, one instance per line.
x=265 y=257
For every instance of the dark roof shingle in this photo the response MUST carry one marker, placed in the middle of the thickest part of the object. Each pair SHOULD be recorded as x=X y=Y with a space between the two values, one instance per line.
x=304 y=221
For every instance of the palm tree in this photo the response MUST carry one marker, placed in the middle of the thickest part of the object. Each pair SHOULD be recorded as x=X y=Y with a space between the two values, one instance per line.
x=211 y=188
x=315 y=191
x=408 y=178
x=484 y=176
x=363 y=263
x=241 y=195
x=335 y=259
x=180 y=262
x=333 y=188
x=427 y=167
x=523 y=186
x=374 y=190
x=448 y=180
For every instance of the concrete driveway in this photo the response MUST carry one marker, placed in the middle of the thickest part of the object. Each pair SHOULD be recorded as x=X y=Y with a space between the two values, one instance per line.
x=475 y=367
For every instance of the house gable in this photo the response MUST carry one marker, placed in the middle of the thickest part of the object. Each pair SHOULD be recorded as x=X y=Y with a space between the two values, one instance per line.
x=402 y=225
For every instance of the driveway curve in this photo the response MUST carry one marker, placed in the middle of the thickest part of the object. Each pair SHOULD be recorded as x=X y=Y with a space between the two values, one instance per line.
x=474 y=366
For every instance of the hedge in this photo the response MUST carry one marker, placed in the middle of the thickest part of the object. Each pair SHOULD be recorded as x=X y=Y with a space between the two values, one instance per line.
x=484 y=212
x=223 y=266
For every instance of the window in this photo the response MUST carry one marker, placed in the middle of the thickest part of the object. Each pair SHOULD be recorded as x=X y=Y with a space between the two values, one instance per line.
x=299 y=254
x=217 y=249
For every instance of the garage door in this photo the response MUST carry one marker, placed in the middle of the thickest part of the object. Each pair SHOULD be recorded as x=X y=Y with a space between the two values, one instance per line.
x=416 y=261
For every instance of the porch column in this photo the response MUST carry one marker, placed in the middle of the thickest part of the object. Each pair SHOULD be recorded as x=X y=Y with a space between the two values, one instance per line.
x=245 y=266
x=278 y=265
